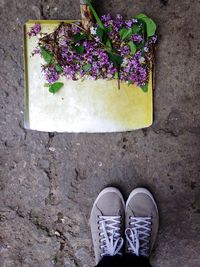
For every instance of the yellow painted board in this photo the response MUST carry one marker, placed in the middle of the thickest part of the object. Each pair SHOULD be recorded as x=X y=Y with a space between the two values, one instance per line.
x=81 y=106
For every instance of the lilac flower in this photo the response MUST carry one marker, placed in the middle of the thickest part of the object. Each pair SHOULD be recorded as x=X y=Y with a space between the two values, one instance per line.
x=153 y=39
x=137 y=38
x=97 y=39
x=118 y=22
x=112 y=69
x=34 y=30
x=106 y=18
x=69 y=72
x=119 y=17
x=129 y=23
x=134 y=68
x=103 y=58
x=125 y=50
x=75 y=29
x=36 y=51
x=51 y=74
x=93 y=30
x=142 y=60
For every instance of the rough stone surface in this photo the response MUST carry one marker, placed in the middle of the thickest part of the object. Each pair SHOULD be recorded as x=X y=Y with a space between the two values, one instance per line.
x=49 y=181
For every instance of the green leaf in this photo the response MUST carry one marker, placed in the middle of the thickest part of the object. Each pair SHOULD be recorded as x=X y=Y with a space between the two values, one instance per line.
x=144 y=88
x=47 y=56
x=100 y=33
x=58 y=68
x=150 y=24
x=103 y=36
x=135 y=29
x=54 y=88
x=140 y=45
x=108 y=44
x=116 y=59
x=125 y=33
x=140 y=16
x=109 y=29
x=87 y=67
x=132 y=47
x=122 y=32
x=116 y=76
x=78 y=37
x=95 y=15
x=79 y=49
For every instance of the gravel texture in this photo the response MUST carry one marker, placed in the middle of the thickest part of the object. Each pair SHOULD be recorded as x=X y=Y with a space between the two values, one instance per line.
x=48 y=182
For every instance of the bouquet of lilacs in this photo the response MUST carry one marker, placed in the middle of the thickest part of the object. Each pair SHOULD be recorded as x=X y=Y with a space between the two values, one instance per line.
x=111 y=48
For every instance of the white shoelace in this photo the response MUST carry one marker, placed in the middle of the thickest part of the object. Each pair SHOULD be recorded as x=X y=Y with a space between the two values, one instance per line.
x=111 y=242
x=138 y=235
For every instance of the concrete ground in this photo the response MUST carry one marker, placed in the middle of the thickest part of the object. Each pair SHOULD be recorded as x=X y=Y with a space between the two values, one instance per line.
x=49 y=181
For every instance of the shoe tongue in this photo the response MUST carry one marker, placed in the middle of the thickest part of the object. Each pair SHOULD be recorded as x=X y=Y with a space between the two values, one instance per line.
x=140 y=212
x=109 y=206
x=107 y=211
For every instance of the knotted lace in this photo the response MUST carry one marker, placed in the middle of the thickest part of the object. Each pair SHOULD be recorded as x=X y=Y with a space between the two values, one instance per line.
x=138 y=235
x=110 y=237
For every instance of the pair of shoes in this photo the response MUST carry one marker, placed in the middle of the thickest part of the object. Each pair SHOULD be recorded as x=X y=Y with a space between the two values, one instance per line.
x=116 y=225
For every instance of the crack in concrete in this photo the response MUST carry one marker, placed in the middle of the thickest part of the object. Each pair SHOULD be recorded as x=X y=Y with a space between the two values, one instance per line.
x=164 y=2
x=33 y=219
x=16 y=62
x=165 y=131
x=145 y=132
x=24 y=130
x=65 y=247
x=37 y=223
x=42 y=9
x=77 y=173
x=50 y=172
x=175 y=133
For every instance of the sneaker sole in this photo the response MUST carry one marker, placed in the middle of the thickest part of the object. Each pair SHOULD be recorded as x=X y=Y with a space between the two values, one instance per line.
x=141 y=190
x=109 y=190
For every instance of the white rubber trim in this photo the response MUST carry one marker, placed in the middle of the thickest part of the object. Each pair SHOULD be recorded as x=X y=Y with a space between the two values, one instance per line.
x=141 y=190
x=110 y=190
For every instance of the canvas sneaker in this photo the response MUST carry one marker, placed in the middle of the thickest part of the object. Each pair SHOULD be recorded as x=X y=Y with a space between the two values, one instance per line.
x=142 y=222
x=107 y=223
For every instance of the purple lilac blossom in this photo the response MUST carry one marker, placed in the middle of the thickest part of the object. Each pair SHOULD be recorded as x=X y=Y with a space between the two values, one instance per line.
x=125 y=50
x=137 y=38
x=135 y=68
x=51 y=74
x=36 y=51
x=129 y=23
x=153 y=39
x=34 y=30
x=106 y=18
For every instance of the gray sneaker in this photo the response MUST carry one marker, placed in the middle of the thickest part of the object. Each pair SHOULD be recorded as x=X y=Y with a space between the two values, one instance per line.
x=142 y=222
x=107 y=223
